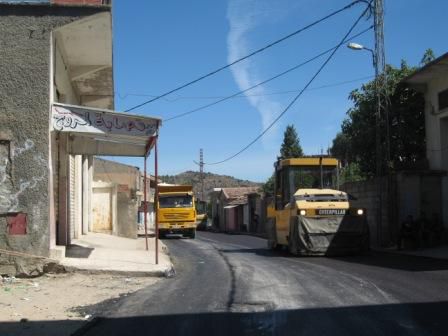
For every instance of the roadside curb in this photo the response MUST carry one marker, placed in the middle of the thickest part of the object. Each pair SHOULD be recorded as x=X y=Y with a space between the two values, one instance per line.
x=165 y=273
x=165 y=269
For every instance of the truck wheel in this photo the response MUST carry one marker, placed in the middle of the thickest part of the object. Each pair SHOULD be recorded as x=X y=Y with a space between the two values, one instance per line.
x=161 y=234
x=272 y=236
x=293 y=237
x=192 y=234
x=272 y=245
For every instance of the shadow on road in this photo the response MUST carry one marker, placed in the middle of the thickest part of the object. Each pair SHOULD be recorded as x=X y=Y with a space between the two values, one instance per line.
x=377 y=259
x=391 y=319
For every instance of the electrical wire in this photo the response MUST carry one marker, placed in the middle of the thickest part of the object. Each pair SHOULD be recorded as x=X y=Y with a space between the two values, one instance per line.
x=123 y=95
x=297 y=96
x=265 y=81
x=270 y=45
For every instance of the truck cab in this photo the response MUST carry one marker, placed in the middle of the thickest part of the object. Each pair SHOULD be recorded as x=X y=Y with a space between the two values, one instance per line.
x=176 y=210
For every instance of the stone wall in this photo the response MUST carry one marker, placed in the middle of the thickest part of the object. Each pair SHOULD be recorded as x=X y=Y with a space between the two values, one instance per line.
x=25 y=42
x=368 y=197
x=127 y=211
x=413 y=193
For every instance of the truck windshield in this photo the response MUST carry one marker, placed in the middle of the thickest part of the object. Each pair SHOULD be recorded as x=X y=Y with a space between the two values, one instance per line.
x=178 y=201
x=301 y=177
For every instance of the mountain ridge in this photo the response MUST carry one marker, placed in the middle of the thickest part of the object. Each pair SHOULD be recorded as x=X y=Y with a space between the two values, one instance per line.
x=211 y=181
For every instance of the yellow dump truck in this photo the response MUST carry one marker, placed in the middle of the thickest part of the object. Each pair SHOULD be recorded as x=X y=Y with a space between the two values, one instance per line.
x=176 y=210
x=310 y=215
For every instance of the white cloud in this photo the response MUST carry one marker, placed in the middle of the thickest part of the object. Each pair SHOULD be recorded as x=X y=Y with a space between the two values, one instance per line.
x=244 y=16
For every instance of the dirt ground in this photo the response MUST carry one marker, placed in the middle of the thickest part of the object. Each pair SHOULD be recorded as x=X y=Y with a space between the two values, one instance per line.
x=58 y=297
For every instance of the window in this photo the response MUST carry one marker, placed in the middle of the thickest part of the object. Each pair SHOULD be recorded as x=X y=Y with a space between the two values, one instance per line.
x=176 y=201
x=443 y=99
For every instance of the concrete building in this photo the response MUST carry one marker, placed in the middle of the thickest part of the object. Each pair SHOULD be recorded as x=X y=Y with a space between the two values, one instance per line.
x=114 y=198
x=237 y=209
x=56 y=96
x=432 y=81
x=118 y=198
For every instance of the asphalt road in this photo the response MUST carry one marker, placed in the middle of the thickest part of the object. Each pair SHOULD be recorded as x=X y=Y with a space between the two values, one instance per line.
x=233 y=285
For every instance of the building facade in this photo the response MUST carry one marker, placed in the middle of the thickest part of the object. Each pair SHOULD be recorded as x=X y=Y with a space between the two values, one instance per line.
x=237 y=210
x=432 y=81
x=56 y=101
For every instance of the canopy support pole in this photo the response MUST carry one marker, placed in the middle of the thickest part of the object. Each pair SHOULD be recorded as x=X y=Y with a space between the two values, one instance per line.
x=145 y=203
x=156 y=198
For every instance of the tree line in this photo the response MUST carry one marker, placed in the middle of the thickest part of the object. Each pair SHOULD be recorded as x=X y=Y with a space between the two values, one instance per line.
x=354 y=145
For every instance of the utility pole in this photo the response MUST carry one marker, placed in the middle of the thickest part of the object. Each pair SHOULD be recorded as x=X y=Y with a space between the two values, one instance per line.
x=201 y=171
x=381 y=115
x=379 y=60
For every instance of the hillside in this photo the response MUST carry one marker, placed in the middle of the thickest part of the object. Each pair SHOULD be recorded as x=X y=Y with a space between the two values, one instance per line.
x=210 y=181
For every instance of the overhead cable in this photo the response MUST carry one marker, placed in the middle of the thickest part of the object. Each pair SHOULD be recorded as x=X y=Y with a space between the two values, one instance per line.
x=273 y=93
x=265 y=81
x=298 y=95
x=249 y=55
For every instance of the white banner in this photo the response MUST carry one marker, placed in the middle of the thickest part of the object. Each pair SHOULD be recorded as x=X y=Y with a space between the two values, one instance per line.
x=78 y=119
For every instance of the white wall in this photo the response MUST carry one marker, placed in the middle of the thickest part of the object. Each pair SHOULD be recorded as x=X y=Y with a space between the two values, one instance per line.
x=437 y=134
x=63 y=84
x=434 y=136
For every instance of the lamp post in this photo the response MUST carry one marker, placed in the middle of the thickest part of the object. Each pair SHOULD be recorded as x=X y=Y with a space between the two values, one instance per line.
x=357 y=47
x=379 y=156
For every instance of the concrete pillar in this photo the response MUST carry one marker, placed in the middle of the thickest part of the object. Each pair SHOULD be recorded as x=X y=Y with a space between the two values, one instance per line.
x=52 y=173
x=114 y=201
x=90 y=183
x=85 y=194
x=62 y=227
x=78 y=196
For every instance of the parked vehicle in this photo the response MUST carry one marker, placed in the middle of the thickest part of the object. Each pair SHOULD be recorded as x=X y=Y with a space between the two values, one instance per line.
x=201 y=215
x=310 y=215
x=176 y=210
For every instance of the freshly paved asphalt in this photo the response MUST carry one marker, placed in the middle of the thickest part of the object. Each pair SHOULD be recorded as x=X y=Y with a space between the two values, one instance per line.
x=233 y=285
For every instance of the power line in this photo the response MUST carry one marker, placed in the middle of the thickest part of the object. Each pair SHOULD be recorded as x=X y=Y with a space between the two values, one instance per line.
x=255 y=94
x=265 y=81
x=300 y=93
x=270 y=45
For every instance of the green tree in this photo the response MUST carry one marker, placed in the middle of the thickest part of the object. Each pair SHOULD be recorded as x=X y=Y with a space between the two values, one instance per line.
x=428 y=56
x=290 y=148
x=356 y=142
x=291 y=145
x=341 y=148
x=268 y=186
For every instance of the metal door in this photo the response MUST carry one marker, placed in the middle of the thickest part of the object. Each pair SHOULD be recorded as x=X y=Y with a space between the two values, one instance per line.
x=102 y=210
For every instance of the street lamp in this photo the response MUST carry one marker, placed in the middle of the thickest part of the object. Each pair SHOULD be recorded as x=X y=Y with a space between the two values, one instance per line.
x=357 y=47
x=378 y=91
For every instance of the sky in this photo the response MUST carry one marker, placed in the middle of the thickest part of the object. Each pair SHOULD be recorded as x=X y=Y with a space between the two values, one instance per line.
x=160 y=45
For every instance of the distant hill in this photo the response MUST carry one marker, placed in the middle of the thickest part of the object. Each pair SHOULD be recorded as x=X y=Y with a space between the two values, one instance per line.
x=210 y=181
